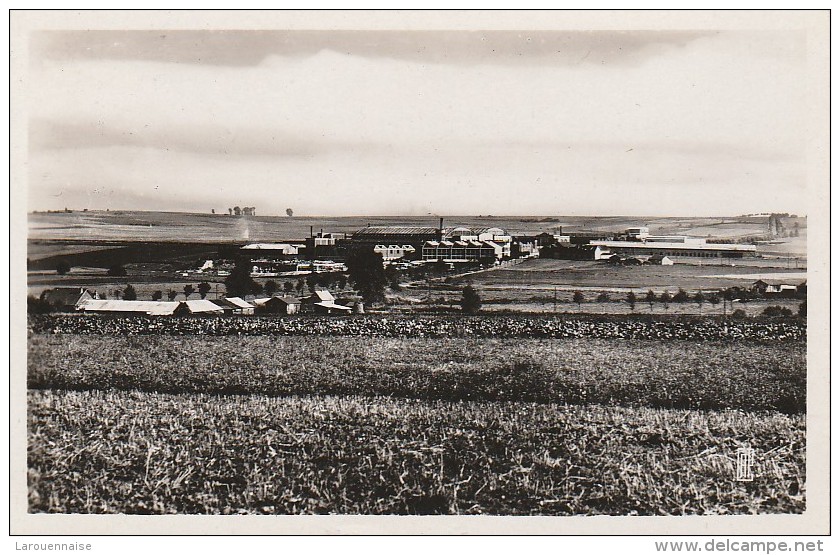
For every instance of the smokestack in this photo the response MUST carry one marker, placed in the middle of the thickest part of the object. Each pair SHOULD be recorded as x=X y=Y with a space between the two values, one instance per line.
x=440 y=230
x=310 y=230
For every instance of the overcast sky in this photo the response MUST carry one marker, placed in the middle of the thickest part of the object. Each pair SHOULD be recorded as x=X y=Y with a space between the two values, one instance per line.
x=412 y=123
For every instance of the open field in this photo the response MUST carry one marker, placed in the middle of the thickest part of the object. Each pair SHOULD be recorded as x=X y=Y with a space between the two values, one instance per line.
x=572 y=274
x=167 y=255
x=130 y=452
x=184 y=227
x=132 y=225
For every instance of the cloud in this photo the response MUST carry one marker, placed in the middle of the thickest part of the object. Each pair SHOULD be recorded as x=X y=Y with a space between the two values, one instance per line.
x=250 y=48
x=208 y=139
x=704 y=124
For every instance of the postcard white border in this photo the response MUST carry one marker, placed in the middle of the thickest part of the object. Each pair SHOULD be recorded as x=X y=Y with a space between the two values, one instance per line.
x=815 y=520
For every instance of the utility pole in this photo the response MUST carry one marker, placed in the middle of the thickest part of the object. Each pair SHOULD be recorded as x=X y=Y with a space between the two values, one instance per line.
x=429 y=293
x=555 y=299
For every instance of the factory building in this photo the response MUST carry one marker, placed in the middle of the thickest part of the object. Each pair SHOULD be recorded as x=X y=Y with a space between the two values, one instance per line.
x=458 y=244
x=461 y=251
x=394 y=252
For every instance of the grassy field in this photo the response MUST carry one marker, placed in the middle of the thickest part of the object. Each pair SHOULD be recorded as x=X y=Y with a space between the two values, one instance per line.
x=149 y=453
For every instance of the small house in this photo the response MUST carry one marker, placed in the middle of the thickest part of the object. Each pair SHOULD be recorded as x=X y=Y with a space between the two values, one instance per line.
x=759 y=287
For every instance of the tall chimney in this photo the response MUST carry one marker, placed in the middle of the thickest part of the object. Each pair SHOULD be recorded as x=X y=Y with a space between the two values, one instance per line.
x=440 y=230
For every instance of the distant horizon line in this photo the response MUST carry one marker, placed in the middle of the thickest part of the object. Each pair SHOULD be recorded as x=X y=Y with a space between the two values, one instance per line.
x=86 y=210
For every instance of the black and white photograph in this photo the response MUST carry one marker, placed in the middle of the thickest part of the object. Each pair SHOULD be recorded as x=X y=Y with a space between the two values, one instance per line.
x=420 y=264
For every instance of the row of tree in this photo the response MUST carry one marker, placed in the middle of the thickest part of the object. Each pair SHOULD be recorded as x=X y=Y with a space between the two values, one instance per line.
x=130 y=293
x=680 y=297
x=246 y=211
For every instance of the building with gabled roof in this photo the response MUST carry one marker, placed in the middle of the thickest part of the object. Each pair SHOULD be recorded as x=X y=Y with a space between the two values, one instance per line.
x=65 y=298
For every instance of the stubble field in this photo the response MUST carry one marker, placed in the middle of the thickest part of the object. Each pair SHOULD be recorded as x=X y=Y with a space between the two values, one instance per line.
x=140 y=453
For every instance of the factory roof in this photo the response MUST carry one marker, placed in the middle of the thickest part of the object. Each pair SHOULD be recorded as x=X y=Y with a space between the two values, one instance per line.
x=380 y=231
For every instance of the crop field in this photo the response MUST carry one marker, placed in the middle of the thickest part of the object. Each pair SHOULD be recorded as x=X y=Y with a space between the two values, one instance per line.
x=664 y=374
x=645 y=327
x=130 y=452
x=336 y=424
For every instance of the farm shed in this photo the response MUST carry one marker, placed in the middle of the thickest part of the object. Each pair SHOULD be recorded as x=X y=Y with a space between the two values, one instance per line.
x=322 y=301
x=66 y=298
x=780 y=290
x=289 y=305
x=331 y=308
x=200 y=306
x=234 y=305
x=659 y=260
x=321 y=295
x=278 y=305
x=115 y=306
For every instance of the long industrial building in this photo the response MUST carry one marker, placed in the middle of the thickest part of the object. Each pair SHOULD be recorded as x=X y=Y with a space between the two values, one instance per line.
x=674 y=246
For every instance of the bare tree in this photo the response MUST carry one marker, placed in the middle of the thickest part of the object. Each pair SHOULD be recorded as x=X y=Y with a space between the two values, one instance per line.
x=578 y=298
x=650 y=298
x=699 y=298
x=665 y=298
x=631 y=300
